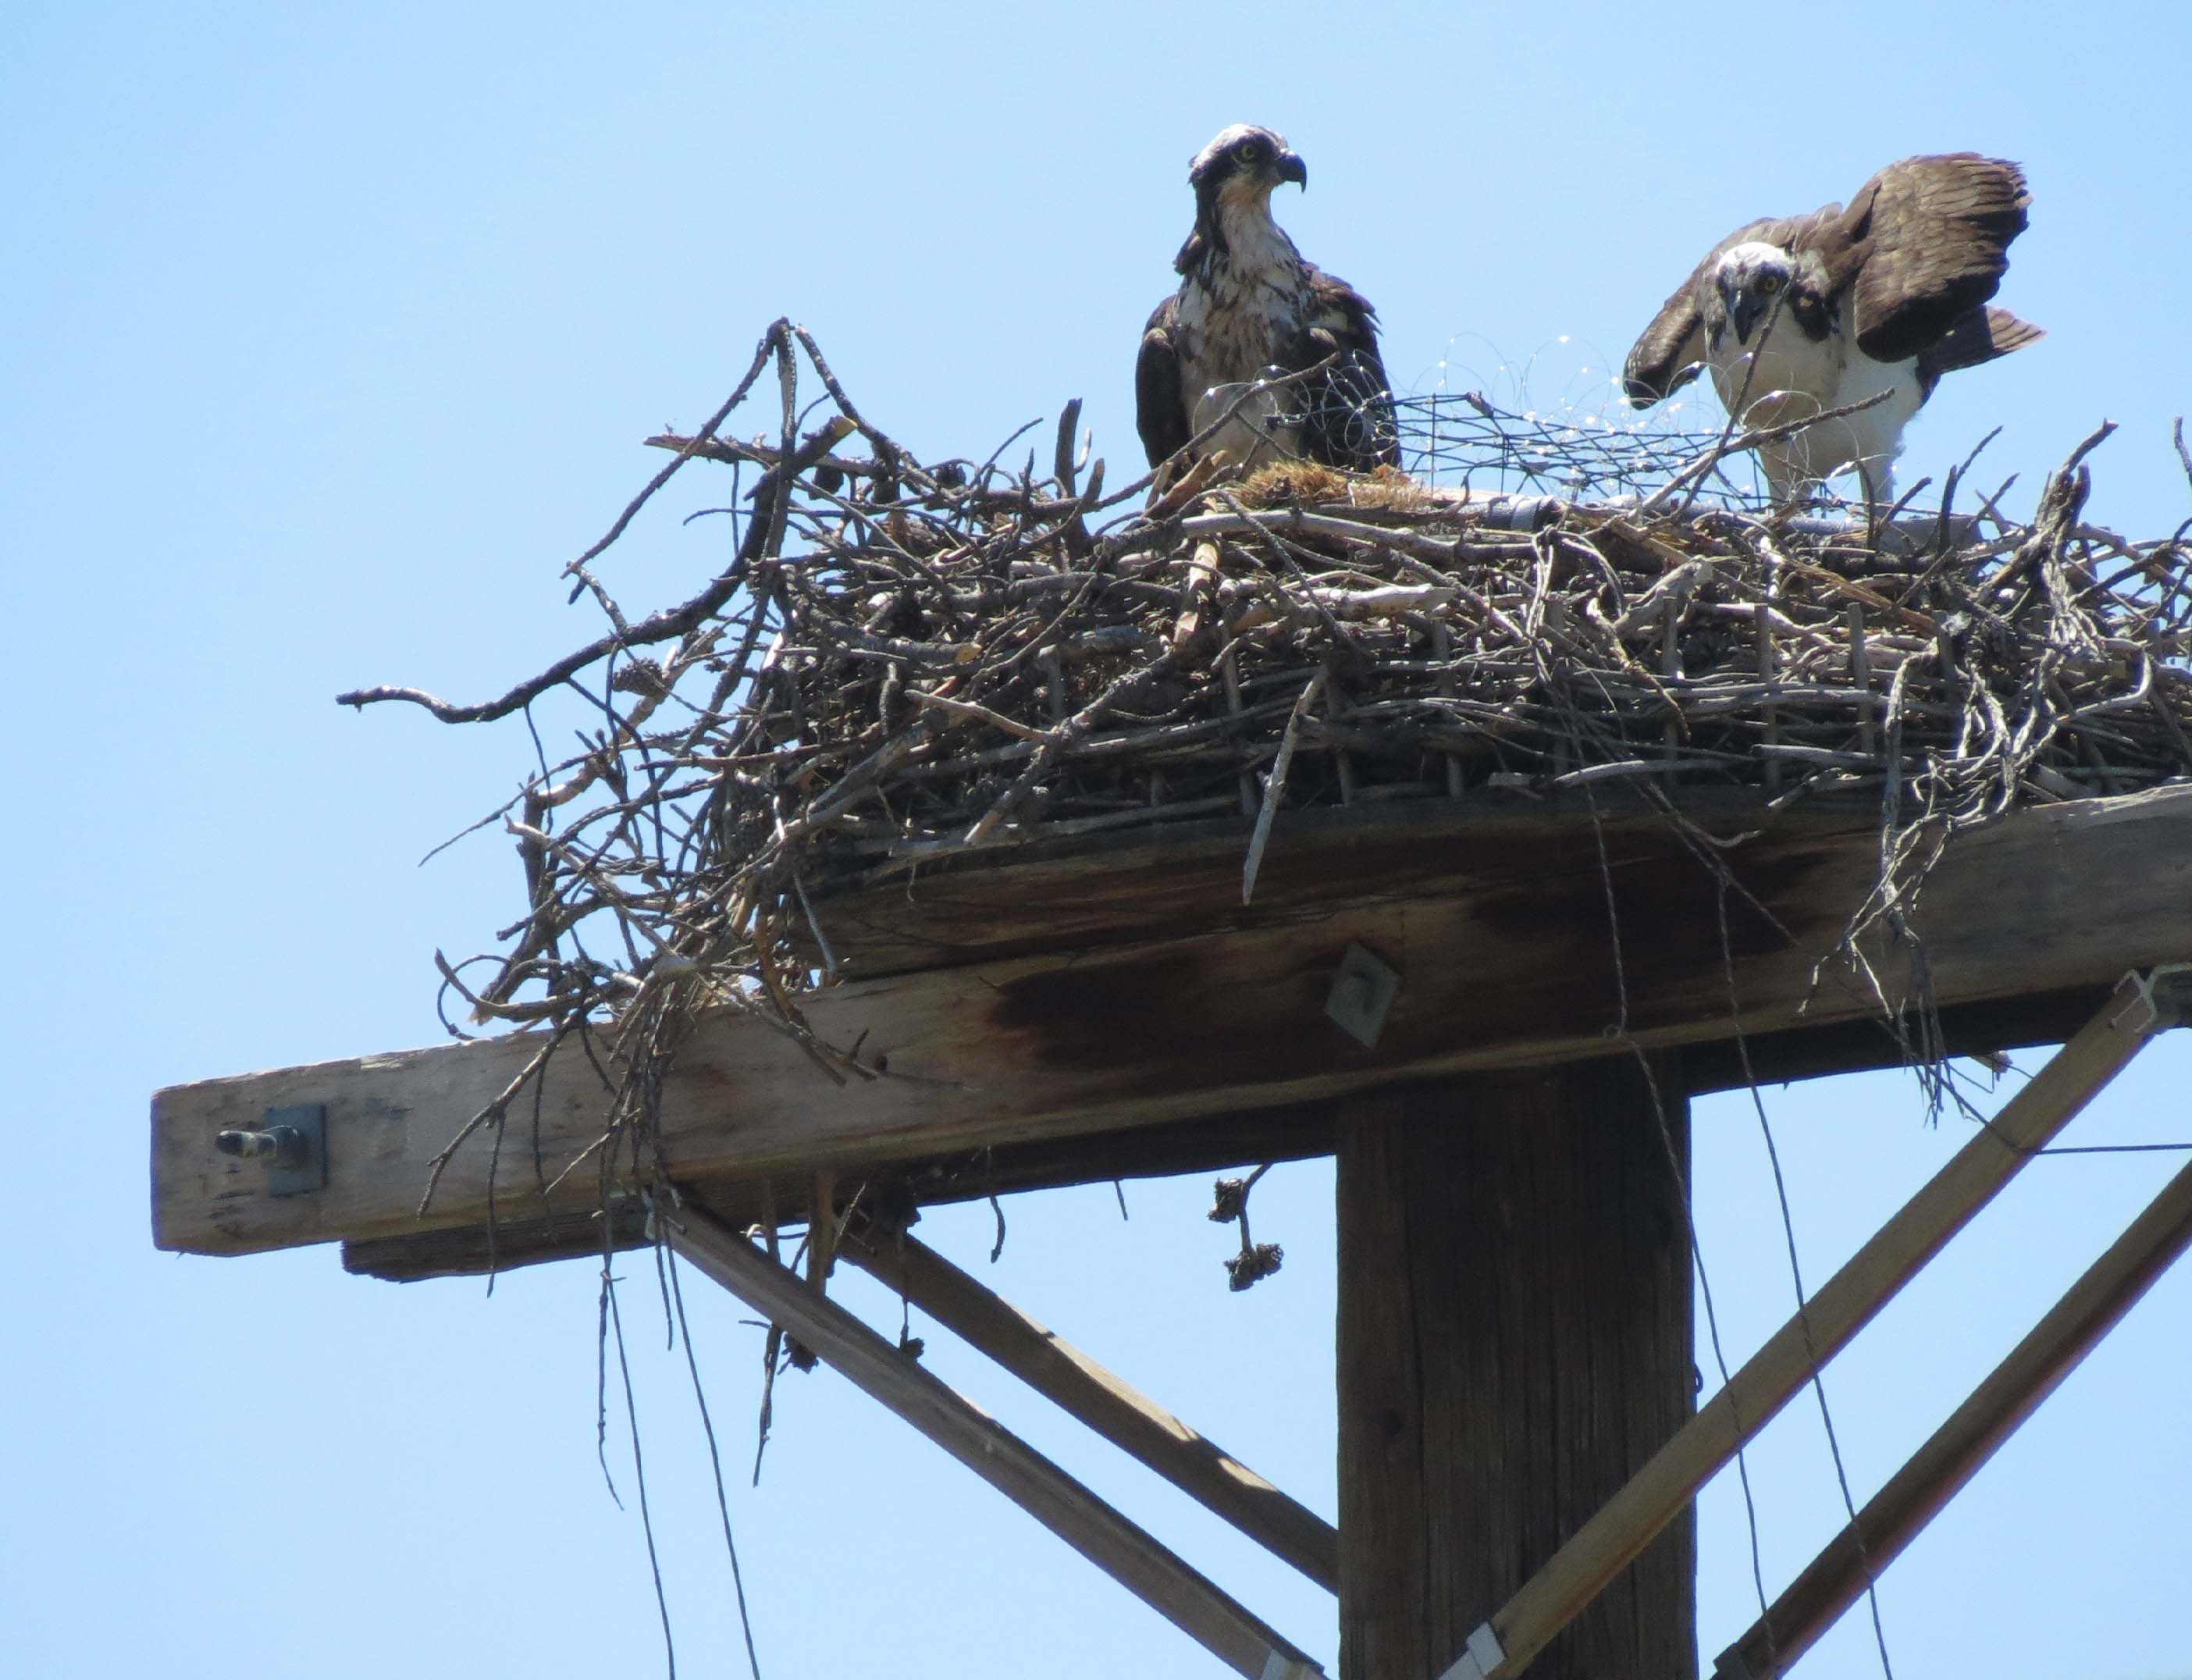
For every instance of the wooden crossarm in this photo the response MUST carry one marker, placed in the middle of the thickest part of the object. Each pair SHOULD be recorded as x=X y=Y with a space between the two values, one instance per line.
x=1937 y=1471
x=1504 y=965
x=1106 y=1403
x=1122 y=1550
x=1626 y=1523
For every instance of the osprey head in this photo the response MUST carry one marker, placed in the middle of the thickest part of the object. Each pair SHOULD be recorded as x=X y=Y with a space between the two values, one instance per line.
x=1750 y=281
x=1239 y=169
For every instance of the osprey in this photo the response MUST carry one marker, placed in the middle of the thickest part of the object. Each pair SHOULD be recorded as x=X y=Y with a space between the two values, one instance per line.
x=1819 y=312
x=1248 y=305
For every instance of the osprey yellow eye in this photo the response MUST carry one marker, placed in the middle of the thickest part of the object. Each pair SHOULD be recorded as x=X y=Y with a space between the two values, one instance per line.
x=1769 y=283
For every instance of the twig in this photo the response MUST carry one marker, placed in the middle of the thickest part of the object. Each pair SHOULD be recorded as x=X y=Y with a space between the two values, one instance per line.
x=1275 y=787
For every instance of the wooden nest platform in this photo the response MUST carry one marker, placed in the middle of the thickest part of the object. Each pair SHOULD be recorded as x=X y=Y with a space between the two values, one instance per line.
x=936 y=716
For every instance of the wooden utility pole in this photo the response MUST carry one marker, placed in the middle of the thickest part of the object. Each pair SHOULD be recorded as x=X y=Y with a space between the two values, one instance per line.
x=1519 y=1446
x=1515 y=1342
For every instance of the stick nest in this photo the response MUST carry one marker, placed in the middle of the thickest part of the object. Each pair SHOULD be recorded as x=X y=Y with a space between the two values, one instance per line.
x=903 y=662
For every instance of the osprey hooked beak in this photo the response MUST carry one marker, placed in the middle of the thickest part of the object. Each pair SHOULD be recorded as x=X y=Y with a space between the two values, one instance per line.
x=1745 y=309
x=1752 y=279
x=1751 y=288
x=1236 y=175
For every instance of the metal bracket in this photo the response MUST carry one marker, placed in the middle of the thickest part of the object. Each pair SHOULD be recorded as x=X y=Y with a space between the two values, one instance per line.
x=292 y=1141
x=1362 y=991
x=1480 y=1658
x=2165 y=991
x=1519 y=513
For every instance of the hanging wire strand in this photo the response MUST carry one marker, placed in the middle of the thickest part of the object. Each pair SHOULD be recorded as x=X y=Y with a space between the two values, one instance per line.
x=1803 y=1300
x=1618 y=1029
x=715 y=1465
x=639 y=1476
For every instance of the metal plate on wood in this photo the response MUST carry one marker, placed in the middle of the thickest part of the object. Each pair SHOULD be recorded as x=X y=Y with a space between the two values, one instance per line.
x=1479 y=1658
x=1362 y=991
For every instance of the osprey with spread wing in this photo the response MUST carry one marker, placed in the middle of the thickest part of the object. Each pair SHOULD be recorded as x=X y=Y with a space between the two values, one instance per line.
x=1249 y=306
x=1814 y=312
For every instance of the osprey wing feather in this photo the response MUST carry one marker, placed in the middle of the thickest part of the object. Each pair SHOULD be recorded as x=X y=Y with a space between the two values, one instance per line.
x=1930 y=237
x=1160 y=412
x=1349 y=421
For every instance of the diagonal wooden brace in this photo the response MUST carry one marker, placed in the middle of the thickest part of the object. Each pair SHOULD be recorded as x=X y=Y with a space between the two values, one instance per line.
x=1122 y=1550
x=1113 y=1408
x=1937 y=1471
x=1626 y=1523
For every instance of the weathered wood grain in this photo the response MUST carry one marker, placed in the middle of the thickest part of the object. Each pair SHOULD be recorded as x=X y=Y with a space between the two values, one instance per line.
x=1513 y=1338
x=1516 y=971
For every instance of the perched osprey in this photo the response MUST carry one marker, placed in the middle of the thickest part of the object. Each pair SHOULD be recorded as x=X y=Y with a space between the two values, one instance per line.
x=1247 y=304
x=1820 y=311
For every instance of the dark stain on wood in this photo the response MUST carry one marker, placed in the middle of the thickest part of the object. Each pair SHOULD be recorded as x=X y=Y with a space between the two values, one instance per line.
x=1530 y=945
x=1171 y=883
x=1134 y=1013
x=1665 y=905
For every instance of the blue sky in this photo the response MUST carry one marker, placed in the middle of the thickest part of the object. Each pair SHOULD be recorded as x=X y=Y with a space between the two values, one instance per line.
x=331 y=334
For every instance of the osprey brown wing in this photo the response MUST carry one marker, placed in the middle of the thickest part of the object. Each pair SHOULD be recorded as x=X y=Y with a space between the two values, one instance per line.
x=1931 y=239
x=1160 y=406
x=1350 y=415
x=1980 y=337
x=1672 y=349
x=1339 y=309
